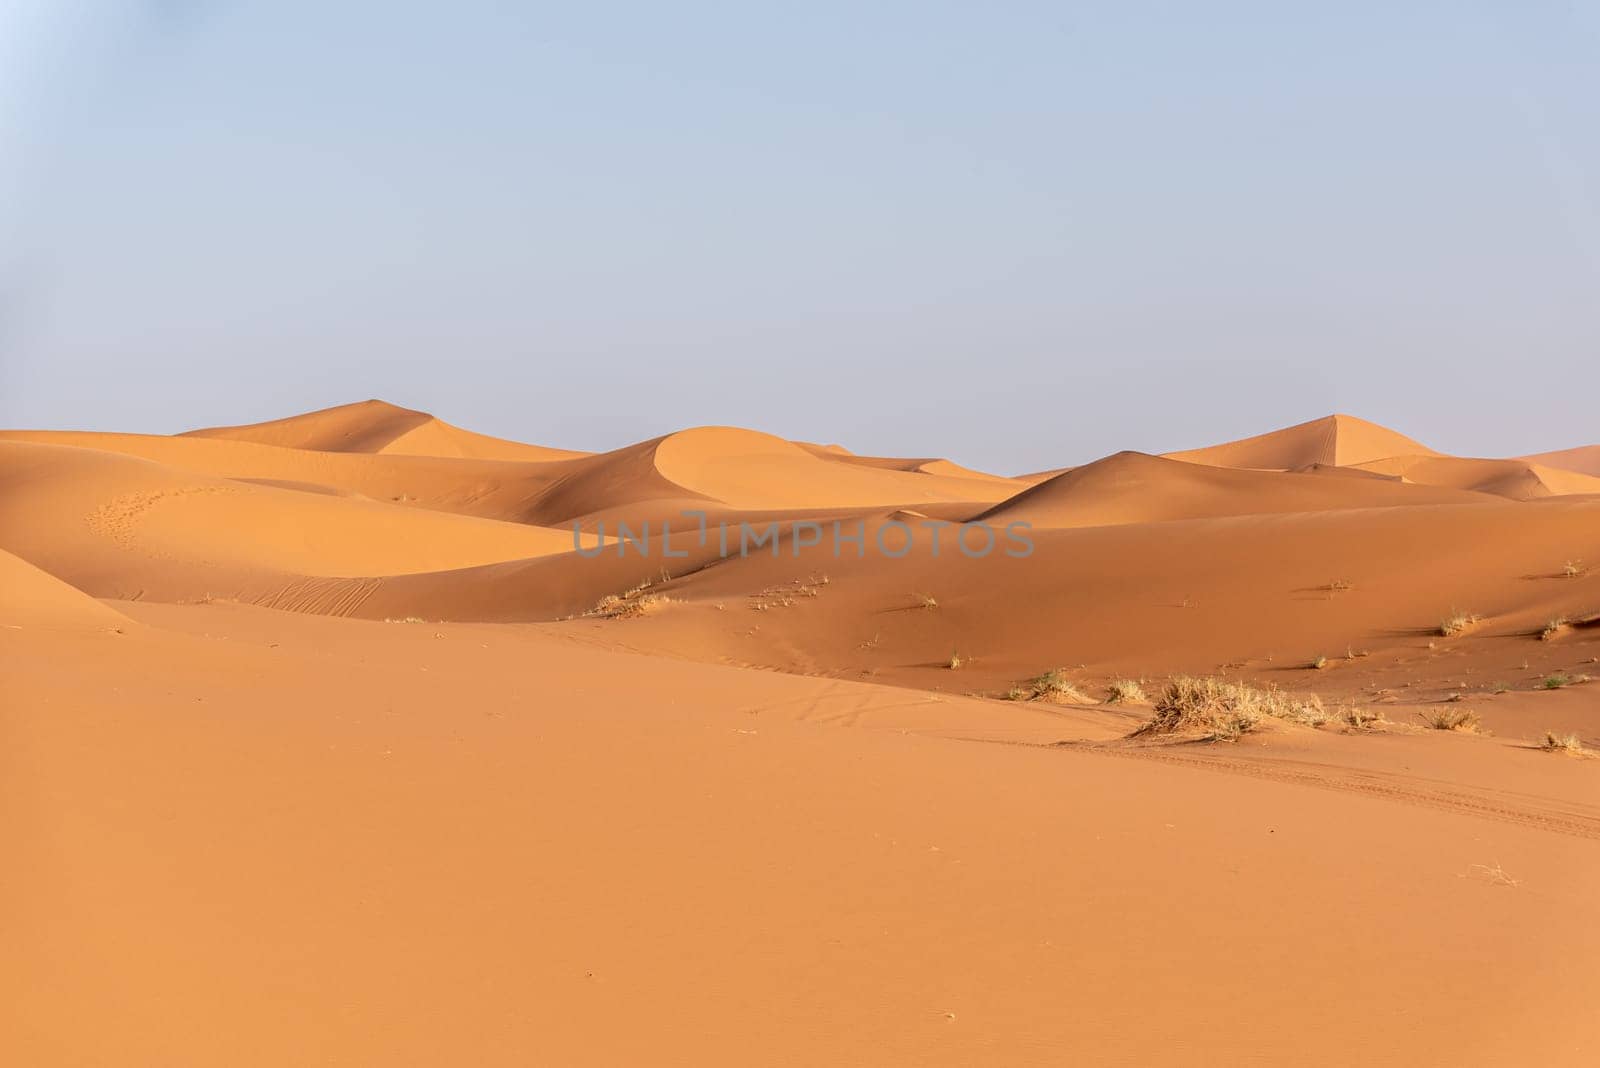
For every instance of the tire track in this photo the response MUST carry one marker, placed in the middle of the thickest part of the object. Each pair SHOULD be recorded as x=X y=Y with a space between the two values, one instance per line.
x=321 y=596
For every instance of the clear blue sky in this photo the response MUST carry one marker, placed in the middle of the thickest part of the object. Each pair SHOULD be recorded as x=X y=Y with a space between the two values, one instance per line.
x=1019 y=234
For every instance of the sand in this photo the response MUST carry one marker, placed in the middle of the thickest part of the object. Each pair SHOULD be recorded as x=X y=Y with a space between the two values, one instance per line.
x=322 y=745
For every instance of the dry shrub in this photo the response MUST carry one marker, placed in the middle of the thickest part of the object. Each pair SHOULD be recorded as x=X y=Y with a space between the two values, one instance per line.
x=1053 y=686
x=1458 y=622
x=629 y=603
x=1450 y=719
x=1562 y=743
x=1126 y=692
x=1214 y=709
x=1362 y=719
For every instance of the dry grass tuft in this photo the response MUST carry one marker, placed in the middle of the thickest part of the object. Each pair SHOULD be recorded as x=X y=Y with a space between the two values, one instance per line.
x=955 y=661
x=1319 y=663
x=1573 y=569
x=407 y=619
x=1362 y=719
x=1458 y=622
x=1554 y=629
x=1562 y=743
x=1216 y=710
x=1450 y=719
x=927 y=600
x=1557 y=681
x=1126 y=692
x=1053 y=686
x=629 y=603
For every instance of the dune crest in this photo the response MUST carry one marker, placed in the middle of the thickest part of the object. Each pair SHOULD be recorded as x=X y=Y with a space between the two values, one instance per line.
x=375 y=426
x=1585 y=459
x=118 y=524
x=1518 y=480
x=1134 y=487
x=1340 y=440
x=749 y=469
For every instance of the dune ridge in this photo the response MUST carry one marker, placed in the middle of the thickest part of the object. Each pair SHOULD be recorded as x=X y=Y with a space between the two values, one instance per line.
x=375 y=426
x=1585 y=459
x=1340 y=440
x=1133 y=487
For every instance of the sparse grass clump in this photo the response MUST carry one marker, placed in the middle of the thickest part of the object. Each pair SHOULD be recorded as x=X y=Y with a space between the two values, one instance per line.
x=1562 y=743
x=1556 y=681
x=955 y=662
x=1573 y=569
x=629 y=603
x=1554 y=629
x=1450 y=719
x=1053 y=686
x=1319 y=663
x=1216 y=710
x=407 y=619
x=1126 y=692
x=927 y=600
x=1457 y=622
x=1362 y=719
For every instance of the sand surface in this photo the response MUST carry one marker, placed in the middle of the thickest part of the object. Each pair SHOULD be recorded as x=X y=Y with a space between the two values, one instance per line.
x=322 y=745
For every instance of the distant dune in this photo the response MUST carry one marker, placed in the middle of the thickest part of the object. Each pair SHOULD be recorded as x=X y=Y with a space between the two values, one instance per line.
x=1585 y=460
x=377 y=427
x=1340 y=440
x=1132 y=487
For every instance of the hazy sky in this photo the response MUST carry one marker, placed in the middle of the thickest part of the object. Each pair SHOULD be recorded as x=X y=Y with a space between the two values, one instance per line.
x=1018 y=234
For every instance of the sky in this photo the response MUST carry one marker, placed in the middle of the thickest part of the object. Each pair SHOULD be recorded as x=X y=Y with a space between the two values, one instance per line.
x=1021 y=235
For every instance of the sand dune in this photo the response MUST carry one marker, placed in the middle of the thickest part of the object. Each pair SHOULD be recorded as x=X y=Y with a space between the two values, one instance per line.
x=722 y=466
x=1585 y=460
x=35 y=598
x=375 y=426
x=118 y=525
x=756 y=471
x=1517 y=479
x=304 y=857
x=763 y=802
x=920 y=465
x=1132 y=487
x=1334 y=439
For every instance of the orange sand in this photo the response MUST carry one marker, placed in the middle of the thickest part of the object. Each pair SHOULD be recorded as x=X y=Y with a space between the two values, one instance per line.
x=315 y=752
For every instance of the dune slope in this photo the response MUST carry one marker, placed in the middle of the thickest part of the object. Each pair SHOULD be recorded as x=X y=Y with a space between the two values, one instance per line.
x=1333 y=439
x=1132 y=487
x=1585 y=459
x=35 y=598
x=375 y=426
x=322 y=745
x=351 y=842
x=118 y=525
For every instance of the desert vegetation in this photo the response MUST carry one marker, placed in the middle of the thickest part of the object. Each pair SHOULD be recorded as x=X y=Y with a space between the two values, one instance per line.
x=1214 y=709
x=1126 y=692
x=637 y=601
x=1450 y=719
x=1054 y=686
x=1562 y=743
